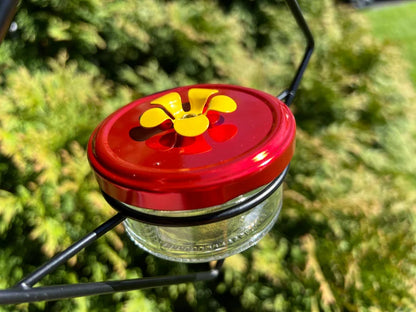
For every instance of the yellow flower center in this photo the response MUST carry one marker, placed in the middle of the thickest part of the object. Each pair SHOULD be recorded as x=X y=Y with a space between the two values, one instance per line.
x=193 y=122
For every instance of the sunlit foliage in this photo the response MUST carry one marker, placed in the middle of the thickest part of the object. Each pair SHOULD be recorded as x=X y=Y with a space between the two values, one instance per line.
x=345 y=239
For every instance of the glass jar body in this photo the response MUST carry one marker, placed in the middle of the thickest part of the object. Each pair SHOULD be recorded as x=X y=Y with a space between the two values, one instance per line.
x=208 y=242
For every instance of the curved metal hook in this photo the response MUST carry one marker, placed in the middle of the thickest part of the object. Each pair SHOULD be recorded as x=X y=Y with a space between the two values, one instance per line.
x=288 y=95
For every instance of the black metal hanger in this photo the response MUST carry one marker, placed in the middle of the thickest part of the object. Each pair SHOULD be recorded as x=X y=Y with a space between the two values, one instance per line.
x=24 y=291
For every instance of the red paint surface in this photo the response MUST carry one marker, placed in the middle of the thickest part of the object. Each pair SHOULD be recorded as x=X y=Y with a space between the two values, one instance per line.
x=158 y=169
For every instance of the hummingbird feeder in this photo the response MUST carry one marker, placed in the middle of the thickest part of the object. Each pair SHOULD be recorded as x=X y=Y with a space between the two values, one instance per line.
x=194 y=172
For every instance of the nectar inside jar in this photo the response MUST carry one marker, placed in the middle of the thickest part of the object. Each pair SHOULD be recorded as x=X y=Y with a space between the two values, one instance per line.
x=195 y=153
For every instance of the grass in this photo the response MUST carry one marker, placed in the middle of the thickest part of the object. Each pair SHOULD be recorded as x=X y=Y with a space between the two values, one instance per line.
x=397 y=24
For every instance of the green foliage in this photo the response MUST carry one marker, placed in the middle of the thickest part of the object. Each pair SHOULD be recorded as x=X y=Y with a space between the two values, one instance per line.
x=345 y=239
x=396 y=24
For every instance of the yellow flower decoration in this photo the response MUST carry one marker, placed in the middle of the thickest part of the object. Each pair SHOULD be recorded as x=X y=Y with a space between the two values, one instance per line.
x=192 y=122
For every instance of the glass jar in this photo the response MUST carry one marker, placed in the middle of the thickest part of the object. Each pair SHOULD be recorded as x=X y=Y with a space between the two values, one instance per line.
x=191 y=152
x=207 y=242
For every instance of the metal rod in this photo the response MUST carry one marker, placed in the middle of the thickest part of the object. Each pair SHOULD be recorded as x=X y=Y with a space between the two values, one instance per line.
x=23 y=291
x=288 y=95
x=56 y=292
x=7 y=11
x=207 y=218
x=56 y=261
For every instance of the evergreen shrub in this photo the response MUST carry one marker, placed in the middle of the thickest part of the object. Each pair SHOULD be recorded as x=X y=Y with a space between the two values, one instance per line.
x=345 y=239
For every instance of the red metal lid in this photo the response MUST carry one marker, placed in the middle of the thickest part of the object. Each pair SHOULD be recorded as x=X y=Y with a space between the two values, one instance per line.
x=192 y=147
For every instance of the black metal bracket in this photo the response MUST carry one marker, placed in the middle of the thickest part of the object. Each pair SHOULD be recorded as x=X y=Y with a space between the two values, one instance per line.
x=288 y=95
x=24 y=291
x=215 y=216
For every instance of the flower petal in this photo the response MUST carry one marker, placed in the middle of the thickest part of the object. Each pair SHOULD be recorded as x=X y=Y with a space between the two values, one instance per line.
x=197 y=99
x=172 y=102
x=191 y=127
x=153 y=117
x=222 y=103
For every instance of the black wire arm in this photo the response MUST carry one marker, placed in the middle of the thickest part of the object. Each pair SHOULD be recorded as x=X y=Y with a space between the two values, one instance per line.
x=288 y=95
x=56 y=292
x=24 y=292
x=71 y=251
